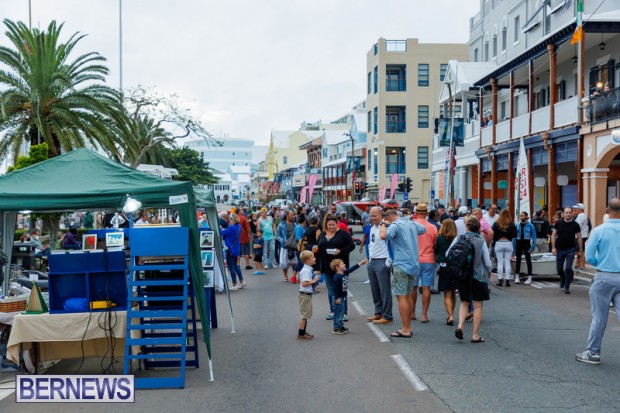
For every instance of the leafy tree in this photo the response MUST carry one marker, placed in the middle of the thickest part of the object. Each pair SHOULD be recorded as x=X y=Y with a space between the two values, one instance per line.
x=48 y=96
x=191 y=167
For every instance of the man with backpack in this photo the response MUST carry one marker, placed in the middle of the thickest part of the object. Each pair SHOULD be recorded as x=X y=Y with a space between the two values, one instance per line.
x=468 y=262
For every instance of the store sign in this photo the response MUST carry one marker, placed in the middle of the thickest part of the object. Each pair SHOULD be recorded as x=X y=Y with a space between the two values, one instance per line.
x=75 y=389
x=178 y=199
x=299 y=180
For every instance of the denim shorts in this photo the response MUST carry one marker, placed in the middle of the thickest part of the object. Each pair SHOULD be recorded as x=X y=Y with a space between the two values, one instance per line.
x=427 y=275
x=402 y=283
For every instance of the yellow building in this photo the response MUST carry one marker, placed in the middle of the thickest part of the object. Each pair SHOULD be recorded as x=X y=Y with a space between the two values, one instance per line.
x=403 y=80
x=284 y=149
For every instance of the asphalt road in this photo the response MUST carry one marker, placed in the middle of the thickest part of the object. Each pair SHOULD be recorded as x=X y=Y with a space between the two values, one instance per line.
x=527 y=363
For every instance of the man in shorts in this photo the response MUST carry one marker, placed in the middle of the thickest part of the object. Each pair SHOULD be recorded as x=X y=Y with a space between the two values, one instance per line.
x=401 y=235
x=426 y=245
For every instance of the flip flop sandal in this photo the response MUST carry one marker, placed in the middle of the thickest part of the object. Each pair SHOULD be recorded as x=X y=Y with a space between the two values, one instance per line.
x=397 y=333
x=458 y=334
x=448 y=322
x=478 y=340
x=425 y=321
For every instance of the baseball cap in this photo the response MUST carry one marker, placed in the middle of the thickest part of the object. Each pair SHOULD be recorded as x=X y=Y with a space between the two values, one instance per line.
x=422 y=207
x=579 y=205
x=463 y=210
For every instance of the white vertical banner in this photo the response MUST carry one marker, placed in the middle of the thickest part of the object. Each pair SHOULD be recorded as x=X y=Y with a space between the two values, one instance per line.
x=522 y=184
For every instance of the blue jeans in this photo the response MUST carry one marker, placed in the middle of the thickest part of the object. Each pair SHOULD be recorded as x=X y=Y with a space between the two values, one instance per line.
x=605 y=289
x=329 y=283
x=269 y=250
x=235 y=269
x=564 y=265
x=339 y=313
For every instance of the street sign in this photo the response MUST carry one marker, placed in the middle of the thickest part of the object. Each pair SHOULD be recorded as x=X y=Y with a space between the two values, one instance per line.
x=432 y=194
x=406 y=196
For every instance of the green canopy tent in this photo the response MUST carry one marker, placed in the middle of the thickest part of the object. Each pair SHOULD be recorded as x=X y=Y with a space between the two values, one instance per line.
x=81 y=180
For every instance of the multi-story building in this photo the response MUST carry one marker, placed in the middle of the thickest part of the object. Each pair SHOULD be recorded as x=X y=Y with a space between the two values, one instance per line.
x=560 y=98
x=224 y=152
x=403 y=81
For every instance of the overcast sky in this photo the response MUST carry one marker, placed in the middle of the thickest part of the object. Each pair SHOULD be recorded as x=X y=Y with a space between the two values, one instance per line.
x=246 y=67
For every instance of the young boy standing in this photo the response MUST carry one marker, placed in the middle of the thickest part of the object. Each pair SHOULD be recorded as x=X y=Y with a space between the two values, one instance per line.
x=341 y=282
x=306 y=290
x=258 y=252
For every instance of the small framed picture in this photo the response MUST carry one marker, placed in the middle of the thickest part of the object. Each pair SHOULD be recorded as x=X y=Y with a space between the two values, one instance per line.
x=207 y=239
x=207 y=259
x=115 y=239
x=209 y=274
x=89 y=242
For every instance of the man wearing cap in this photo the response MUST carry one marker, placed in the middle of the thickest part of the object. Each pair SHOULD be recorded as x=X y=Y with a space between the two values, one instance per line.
x=582 y=219
x=441 y=212
x=603 y=252
x=460 y=222
x=426 y=248
x=401 y=235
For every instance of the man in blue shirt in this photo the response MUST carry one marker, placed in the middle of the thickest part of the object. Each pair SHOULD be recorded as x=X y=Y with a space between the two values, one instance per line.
x=401 y=235
x=524 y=243
x=603 y=252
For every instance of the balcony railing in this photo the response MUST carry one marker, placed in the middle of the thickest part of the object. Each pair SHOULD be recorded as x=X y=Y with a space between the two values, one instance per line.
x=396 y=85
x=540 y=120
x=395 y=168
x=521 y=126
x=396 y=45
x=566 y=112
x=502 y=131
x=487 y=136
x=396 y=126
x=605 y=106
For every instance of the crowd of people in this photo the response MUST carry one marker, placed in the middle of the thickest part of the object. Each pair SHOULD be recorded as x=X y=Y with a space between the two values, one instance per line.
x=408 y=252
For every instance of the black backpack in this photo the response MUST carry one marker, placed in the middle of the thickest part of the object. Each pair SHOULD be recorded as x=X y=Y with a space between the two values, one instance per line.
x=460 y=259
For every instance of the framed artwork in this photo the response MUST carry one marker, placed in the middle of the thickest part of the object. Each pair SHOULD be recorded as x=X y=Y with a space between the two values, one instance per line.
x=207 y=239
x=89 y=242
x=209 y=275
x=115 y=239
x=207 y=259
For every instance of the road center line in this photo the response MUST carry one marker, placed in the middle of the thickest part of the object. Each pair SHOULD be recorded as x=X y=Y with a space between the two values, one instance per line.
x=377 y=332
x=359 y=308
x=413 y=378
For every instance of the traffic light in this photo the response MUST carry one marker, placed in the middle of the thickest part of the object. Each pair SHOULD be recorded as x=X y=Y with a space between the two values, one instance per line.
x=408 y=184
x=357 y=187
x=363 y=187
x=401 y=187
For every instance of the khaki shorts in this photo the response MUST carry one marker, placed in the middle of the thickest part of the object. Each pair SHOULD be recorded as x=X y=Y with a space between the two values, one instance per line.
x=402 y=283
x=305 y=306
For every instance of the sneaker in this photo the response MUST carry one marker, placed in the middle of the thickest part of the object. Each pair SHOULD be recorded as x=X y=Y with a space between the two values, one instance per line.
x=261 y=273
x=507 y=283
x=249 y=267
x=234 y=288
x=500 y=282
x=586 y=357
x=367 y=282
x=345 y=318
x=517 y=279
x=330 y=316
x=305 y=337
x=566 y=290
x=382 y=320
x=243 y=285
x=256 y=273
x=340 y=331
x=529 y=280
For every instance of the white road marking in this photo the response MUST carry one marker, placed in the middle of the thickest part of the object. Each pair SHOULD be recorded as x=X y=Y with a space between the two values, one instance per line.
x=5 y=388
x=359 y=308
x=535 y=285
x=413 y=378
x=349 y=294
x=377 y=332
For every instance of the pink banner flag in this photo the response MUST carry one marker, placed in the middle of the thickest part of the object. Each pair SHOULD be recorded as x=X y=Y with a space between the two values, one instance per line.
x=382 y=193
x=393 y=185
x=311 y=183
x=302 y=197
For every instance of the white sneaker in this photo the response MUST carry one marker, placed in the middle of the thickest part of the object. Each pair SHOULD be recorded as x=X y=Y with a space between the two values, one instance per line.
x=234 y=288
x=242 y=285
x=529 y=280
x=367 y=282
x=517 y=280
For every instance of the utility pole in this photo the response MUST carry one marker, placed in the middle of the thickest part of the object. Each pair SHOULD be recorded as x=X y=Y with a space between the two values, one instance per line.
x=352 y=166
x=120 y=44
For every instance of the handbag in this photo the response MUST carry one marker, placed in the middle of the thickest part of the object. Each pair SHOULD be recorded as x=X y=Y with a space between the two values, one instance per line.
x=301 y=245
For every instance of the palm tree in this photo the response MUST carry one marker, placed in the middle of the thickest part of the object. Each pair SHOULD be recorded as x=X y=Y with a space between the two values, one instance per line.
x=150 y=142
x=47 y=96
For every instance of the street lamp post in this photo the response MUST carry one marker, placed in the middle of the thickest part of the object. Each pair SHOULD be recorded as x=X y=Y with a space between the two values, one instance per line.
x=352 y=166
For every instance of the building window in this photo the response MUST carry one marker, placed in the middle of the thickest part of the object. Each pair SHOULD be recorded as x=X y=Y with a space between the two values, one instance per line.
x=476 y=54
x=423 y=74
x=517 y=28
x=285 y=160
x=504 y=38
x=376 y=71
x=443 y=68
x=486 y=51
x=376 y=120
x=423 y=116
x=494 y=46
x=375 y=162
x=395 y=119
x=369 y=121
x=396 y=78
x=369 y=81
x=516 y=106
x=376 y=48
x=395 y=161
x=369 y=166
x=422 y=157
x=502 y=112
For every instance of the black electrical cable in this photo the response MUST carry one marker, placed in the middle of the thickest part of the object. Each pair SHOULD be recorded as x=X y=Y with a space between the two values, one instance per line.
x=90 y=314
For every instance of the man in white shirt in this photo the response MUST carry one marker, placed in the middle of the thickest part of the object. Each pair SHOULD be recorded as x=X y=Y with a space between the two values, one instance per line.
x=460 y=223
x=582 y=219
x=144 y=220
x=491 y=216
x=378 y=272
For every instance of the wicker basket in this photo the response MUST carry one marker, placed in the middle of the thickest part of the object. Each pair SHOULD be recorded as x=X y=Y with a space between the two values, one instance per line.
x=13 y=304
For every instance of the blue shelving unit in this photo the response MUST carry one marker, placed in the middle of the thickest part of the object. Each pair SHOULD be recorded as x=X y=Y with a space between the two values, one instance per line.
x=157 y=303
x=89 y=275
